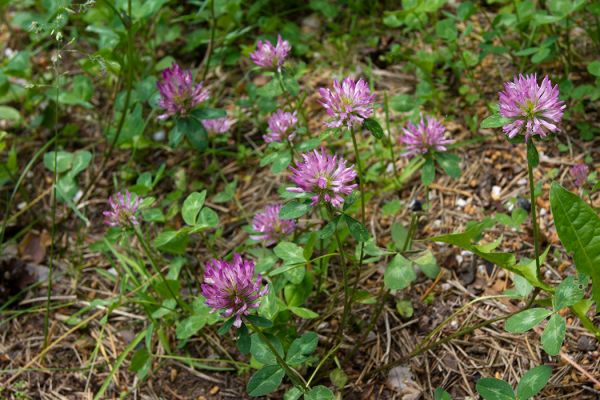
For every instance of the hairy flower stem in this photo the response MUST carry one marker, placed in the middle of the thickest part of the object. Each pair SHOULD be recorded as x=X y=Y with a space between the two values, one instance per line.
x=148 y=253
x=389 y=131
x=383 y=292
x=534 y=221
x=295 y=377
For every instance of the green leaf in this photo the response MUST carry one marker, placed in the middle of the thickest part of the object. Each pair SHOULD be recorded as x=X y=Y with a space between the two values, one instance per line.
x=261 y=351
x=338 y=377
x=554 y=334
x=357 y=230
x=428 y=172
x=578 y=227
x=81 y=160
x=265 y=380
x=446 y=29
x=64 y=161
x=10 y=114
x=319 y=393
x=495 y=121
x=140 y=360
x=301 y=348
x=290 y=253
x=392 y=207
x=373 y=126
x=525 y=320
x=303 y=312
x=294 y=209
x=171 y=241
x=399 y=235
x=244 y=342
x=259 y=321
x=569 y=292
x=533 y=158
x=405 y=308
x=594 y=68
x=196 y=134
x=292 y=394
x=494 y=389
x=208 y=219
x=209 y=113
x=399 y=273
x=191 y=207
x=428 y=264
x=450 y=163
x=441 y=394
x=227 y=194
x=533 y=381
x=188 y=327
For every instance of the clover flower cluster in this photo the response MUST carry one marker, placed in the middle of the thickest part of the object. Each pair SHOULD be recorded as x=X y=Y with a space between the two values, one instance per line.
x=123 y=210
x=269 y=228
x=230 y=287
x=348 y=103
x=579 y=172
x=533 y=108
x=281 y=125
x=268 y=56
x=178 y=93
x=325 y=176
x=219 y=125
x=426 y=136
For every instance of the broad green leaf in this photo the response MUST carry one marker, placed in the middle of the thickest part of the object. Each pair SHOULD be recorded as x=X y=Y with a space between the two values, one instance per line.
x=303 y=312
x=428 y=172
x=208 y=218
x=319 y=393
x=578 y=227
x=81 y=160
x=338 y=377
x=196 y=134
x=533 y=381
x=494 y=389
x=441 y=394
x=373 y=126
x=446 y=29
x=294 y=209
x=140 y=360
x=64 y=161
x=191 y=207
x=209 y=113
x=495 y=121
x=399 y=273
x=262 y=352
x=290 y=253
x=399 y=235
x=188 y=327
x=554 y=334
x=450 y=163
x=9 y=114
x=569 y=292
x=594 y=68
x=301 y=348
x=265 y=380
x=357 y=230
x=525 y=320
x=292 y=394
x=171 y=241
x=428 y=264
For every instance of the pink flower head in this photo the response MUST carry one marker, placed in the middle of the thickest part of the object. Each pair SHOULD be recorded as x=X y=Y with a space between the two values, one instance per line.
x=123 y=210
x=269 y=227
x=428 y=135
x=281 y=124
x=348 y=103
x=231 y=287
x=178 y=93
x=579 y=172
x=323 y=175
x=219 y=125
x=268 y=56
x=534 y=109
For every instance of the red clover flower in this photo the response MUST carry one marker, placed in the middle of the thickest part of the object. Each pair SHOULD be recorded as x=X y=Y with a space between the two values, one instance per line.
x=534 y=109
x=123 y=210
x=178 y=93
x=348 y=103
x=579 y=172
x=269 y=227
x=426 y=136
x=219 y=125
x=268 y=56
x=281 y=124
x=323 y=175
x=231 y=287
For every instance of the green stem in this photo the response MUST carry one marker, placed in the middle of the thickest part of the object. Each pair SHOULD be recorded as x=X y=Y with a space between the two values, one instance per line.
x=389 y=131
x=148 y=253
x=534 y=221
x=344 y=271
x=294 y=375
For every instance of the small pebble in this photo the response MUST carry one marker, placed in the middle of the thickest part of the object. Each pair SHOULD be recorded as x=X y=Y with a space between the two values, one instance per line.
x=159 y=136
x=496 y=190
x=460 y=202
x=522 y=182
